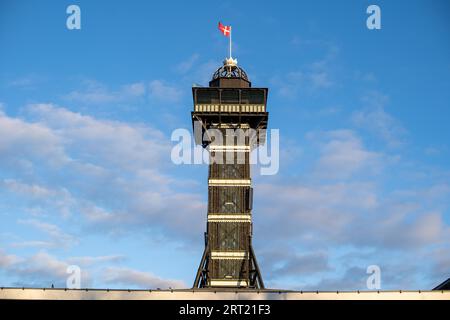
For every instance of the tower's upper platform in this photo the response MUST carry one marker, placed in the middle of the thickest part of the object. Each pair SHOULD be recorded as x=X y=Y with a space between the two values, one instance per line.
x=230 y=75
x=230 y=100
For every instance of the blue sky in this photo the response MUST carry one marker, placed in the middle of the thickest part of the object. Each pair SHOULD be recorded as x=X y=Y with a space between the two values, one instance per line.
x=86 y=118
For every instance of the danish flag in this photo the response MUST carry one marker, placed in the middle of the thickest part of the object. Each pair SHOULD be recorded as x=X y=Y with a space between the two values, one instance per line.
x=226 y=30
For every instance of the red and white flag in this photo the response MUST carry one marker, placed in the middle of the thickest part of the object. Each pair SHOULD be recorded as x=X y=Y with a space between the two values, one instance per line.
x=226 y=30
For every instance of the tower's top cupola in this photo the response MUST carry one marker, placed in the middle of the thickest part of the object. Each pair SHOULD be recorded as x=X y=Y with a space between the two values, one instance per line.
x=230 y=75
x=230 y=69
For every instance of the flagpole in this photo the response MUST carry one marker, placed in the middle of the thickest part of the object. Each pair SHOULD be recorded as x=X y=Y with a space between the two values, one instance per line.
x=230 y=42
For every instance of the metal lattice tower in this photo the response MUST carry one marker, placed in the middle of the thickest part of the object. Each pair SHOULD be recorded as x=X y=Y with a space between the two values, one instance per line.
x=232 y=109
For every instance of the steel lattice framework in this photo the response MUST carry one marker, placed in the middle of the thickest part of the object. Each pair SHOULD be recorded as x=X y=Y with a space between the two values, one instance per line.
x=229 y=103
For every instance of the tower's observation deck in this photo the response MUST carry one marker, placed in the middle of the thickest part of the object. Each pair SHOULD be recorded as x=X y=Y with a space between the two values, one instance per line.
x=228 y=118
x=230 y=99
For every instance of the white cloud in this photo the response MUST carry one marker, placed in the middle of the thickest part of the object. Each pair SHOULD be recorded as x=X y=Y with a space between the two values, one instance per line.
x=204 y=71
x=101 y=141
x=32 y=190
x=342 y=155
x=302 y=81
x=95 y=92
x=343 y=205
x=89 y=260
x=58 y=238
x=116 y=178
x=404 y=229
x=374 y=118
x=23 y=140
x=291 y=264
x=312 y=213
x=60 y=198
x=349 y=217
x=350 y=214
x=7 y=260
x=354 y=278
x=27 y=81
x=135 y=89
x=43 y=270
x=39 y=270
x=133 y=278
x=320 y=79
x=315 y=76
x=193 y=69
x=188 y=64
x=33 y=244
x=162 y=91
x=441 y=267
x=43 y=264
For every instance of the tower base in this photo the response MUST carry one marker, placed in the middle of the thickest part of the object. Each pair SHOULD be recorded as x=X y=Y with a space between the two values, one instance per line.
x=253 y=281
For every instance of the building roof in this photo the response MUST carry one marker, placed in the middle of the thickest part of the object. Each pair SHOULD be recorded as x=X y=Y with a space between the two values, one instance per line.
x=444 y=285
x=214 y=294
